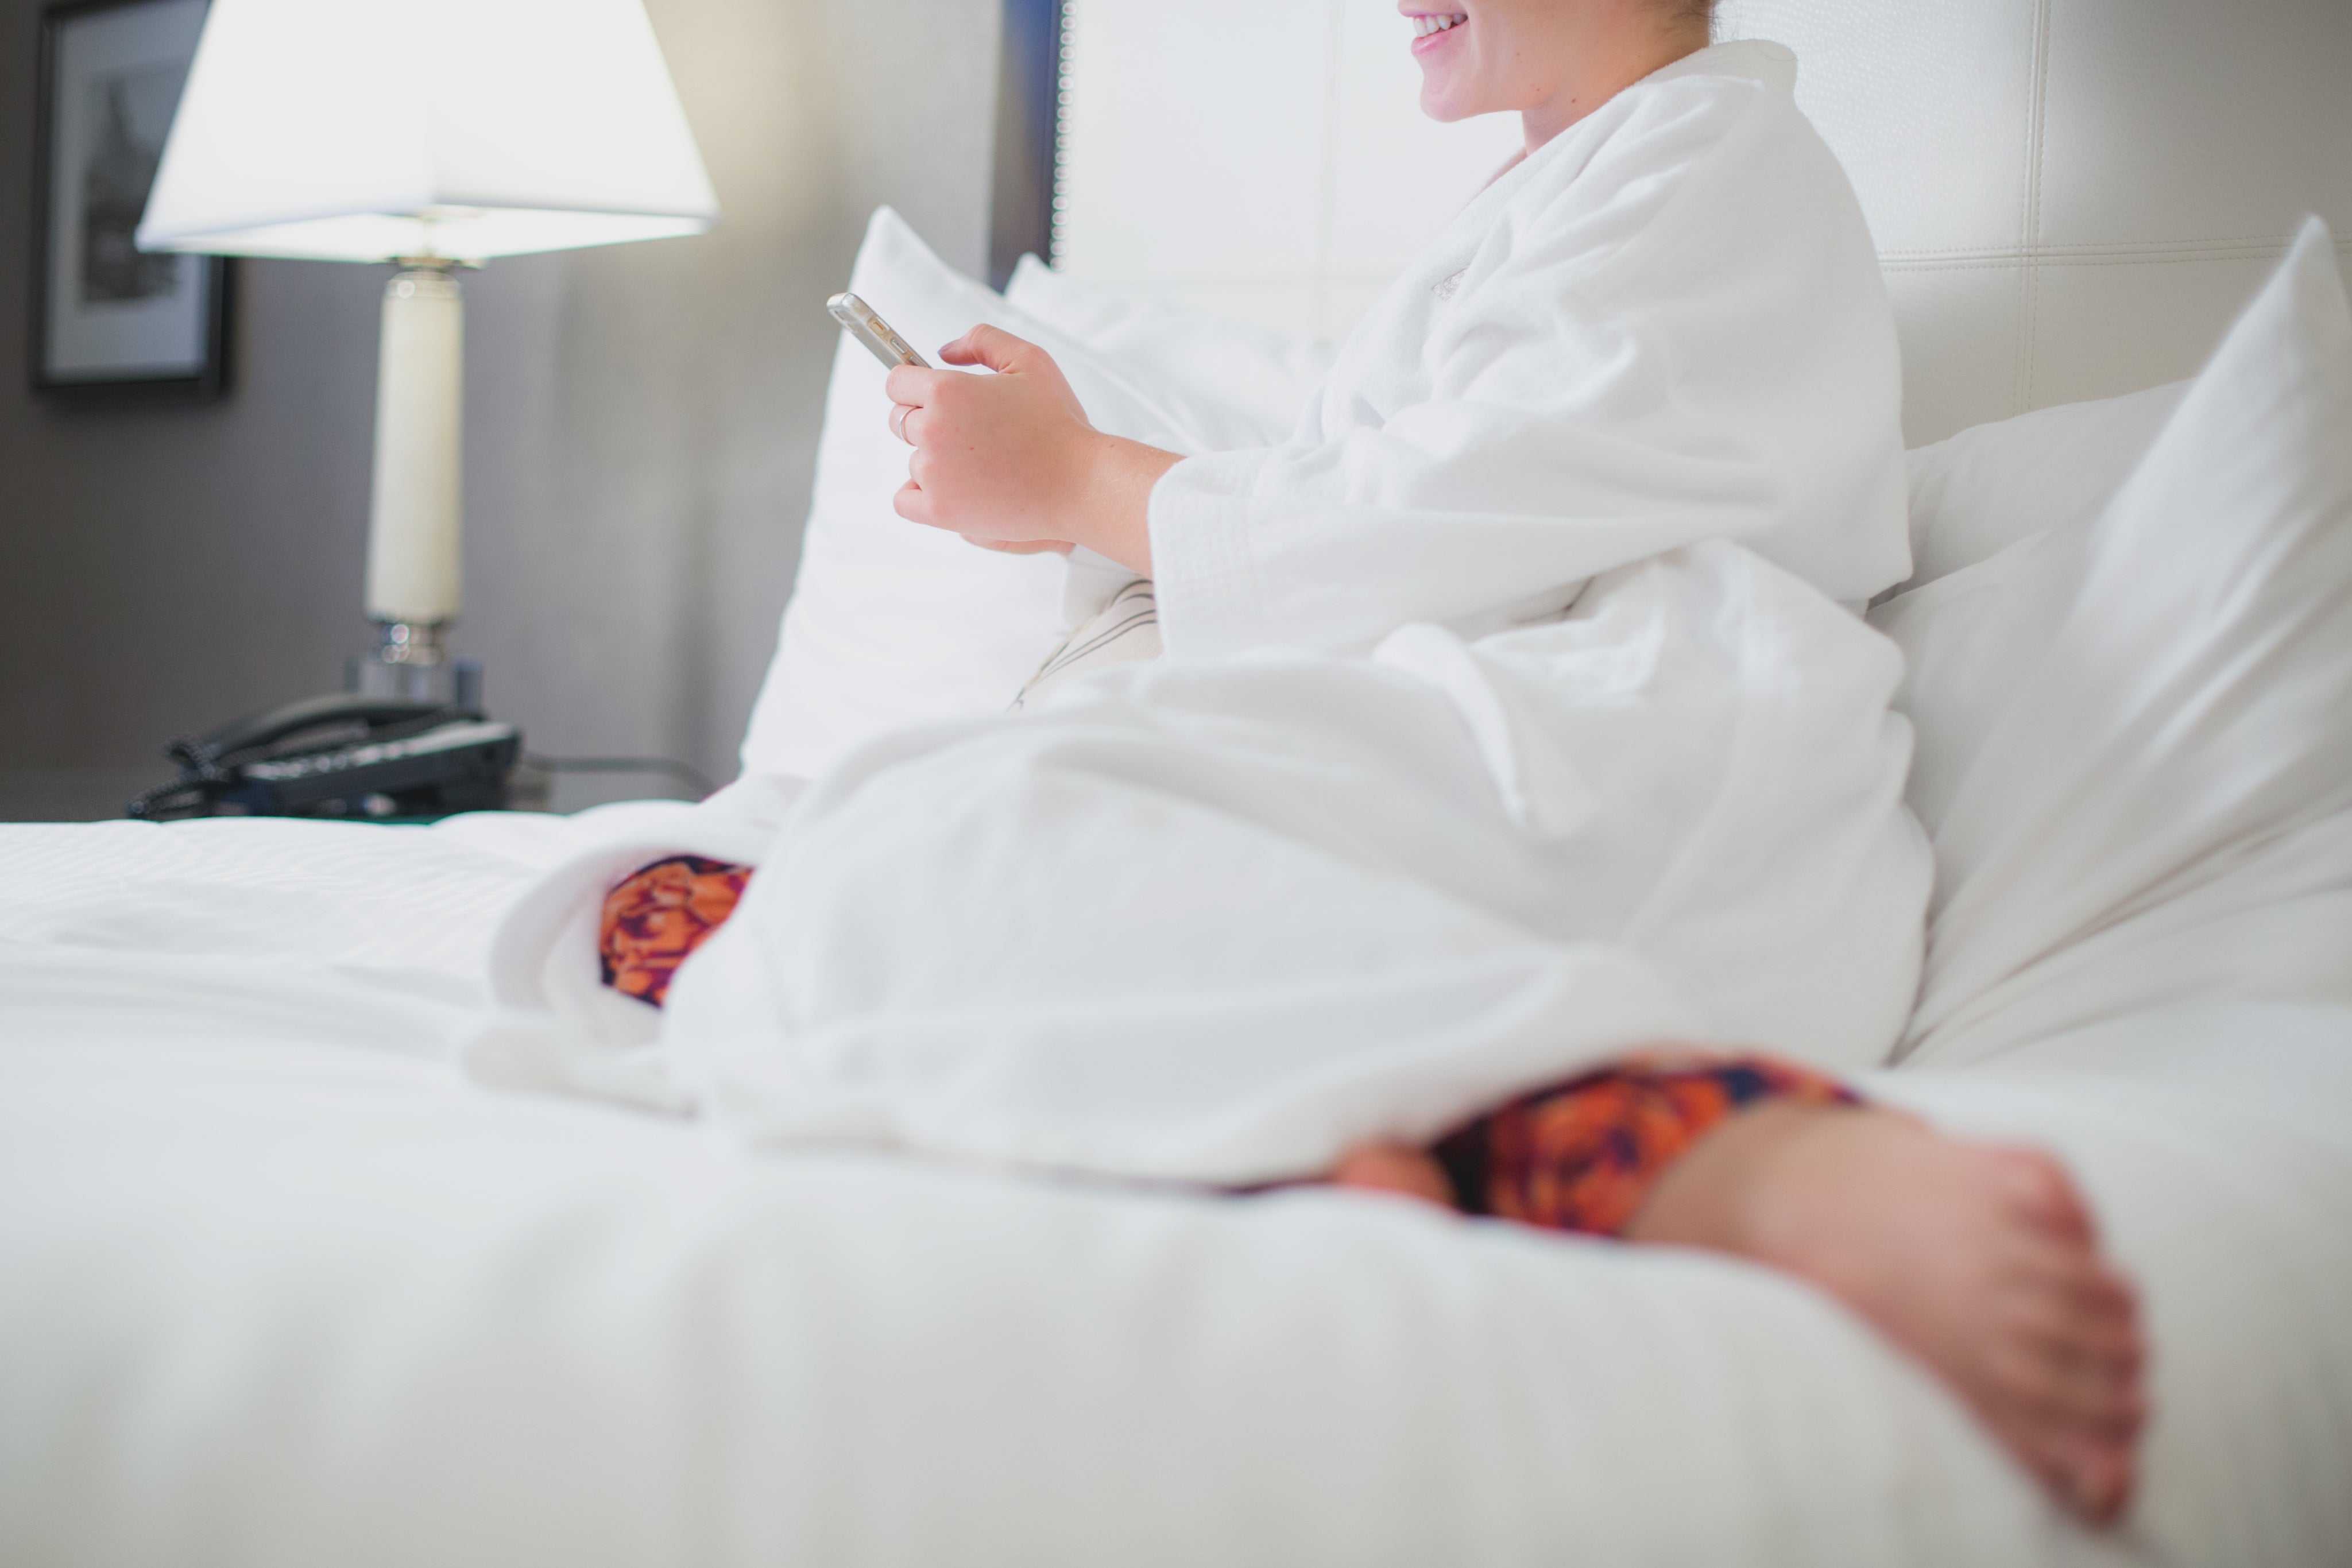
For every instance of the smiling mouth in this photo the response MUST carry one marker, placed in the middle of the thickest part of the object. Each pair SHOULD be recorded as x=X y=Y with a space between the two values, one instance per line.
x=1430 y=27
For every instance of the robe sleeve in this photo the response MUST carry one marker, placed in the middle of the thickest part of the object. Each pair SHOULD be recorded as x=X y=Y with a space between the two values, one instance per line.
x=1579 y=410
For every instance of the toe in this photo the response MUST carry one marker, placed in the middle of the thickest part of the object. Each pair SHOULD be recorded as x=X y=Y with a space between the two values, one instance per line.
x=2103 y=1476
x=2091 y=1474
x=2056 y=1370
x=2068 y=1468
x=2068 y=1328
x=2037 y=1185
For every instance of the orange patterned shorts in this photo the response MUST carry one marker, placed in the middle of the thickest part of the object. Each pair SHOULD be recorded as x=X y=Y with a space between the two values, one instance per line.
x=1584 y=1154
x=660 y=915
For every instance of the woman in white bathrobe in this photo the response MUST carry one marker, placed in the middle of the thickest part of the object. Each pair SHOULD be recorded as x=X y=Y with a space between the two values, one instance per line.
x=1515 y=715
x=1581 y=498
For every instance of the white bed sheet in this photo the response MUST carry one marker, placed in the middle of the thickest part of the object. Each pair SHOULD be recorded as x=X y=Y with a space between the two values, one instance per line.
x=279 y=1289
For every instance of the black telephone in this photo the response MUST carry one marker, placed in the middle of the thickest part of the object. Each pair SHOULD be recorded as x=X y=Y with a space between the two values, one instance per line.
x=364 y=758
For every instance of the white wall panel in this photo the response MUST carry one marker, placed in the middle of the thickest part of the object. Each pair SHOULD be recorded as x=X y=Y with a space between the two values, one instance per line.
x=2092 y=320
x=2178 y=120
x=1930 y=106
x=1195 y=146
x=1280 y=173
x=1963 y=342
x=2071 y=197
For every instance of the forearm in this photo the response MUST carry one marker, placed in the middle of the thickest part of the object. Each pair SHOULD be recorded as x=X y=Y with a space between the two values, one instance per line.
x=1111 y=511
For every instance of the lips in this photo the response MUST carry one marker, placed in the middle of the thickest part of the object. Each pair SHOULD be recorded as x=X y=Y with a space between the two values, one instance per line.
x=1431 y=28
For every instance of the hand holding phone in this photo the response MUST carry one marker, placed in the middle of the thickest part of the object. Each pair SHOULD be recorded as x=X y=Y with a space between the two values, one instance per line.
x=860 y=320
x=1011 y=459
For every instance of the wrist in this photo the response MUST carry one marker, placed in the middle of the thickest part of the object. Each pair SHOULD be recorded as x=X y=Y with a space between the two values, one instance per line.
x=1111 y=512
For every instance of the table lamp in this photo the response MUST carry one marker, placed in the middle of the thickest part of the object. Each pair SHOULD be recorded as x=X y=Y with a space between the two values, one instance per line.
x=433 y=134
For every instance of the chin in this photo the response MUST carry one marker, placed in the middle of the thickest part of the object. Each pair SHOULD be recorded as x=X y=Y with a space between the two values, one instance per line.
x=1441 y=105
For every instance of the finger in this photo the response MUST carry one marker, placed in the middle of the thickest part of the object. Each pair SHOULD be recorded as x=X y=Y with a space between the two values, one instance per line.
x=907 y=423
x=911 y=504
x=913 y=385
x=997 y=348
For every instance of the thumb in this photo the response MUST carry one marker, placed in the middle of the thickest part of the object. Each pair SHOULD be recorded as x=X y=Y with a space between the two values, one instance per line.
x=997 y=349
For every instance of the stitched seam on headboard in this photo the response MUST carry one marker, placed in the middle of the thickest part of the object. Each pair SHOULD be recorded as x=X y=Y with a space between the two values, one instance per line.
x=2277 y=240
x=1057 y=189
x=2029 y=229
x=2053 y=256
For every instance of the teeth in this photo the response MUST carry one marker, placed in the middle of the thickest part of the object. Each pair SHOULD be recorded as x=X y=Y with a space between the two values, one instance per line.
x=1423 y=27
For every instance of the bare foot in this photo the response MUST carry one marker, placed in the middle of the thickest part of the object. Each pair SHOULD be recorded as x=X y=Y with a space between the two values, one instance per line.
x=1980 y=1261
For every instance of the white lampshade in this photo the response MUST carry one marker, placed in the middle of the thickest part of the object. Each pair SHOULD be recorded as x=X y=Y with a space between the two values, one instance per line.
x=364 y=130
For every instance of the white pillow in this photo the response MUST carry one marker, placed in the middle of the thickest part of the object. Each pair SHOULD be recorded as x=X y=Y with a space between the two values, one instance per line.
x=891 y=623
x=2134 y=730
x=1976 y=493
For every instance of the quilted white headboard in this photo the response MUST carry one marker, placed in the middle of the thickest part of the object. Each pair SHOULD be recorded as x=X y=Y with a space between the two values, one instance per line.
x=2071 y=197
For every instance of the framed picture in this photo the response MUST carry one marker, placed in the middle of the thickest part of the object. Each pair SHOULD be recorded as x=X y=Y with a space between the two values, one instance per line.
x=110 y=319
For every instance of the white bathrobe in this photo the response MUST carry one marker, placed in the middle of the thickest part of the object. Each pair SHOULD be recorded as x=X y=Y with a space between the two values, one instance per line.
x=1509 y=721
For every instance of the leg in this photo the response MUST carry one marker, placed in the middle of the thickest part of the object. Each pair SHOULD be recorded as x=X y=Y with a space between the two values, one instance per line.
x=1981 y=1261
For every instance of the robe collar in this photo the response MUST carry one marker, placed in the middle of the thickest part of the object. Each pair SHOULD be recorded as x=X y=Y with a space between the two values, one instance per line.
x=1773 y=65
x=1753 y=59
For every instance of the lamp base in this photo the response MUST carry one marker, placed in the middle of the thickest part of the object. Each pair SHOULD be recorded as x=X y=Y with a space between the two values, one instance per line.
x=408 y=662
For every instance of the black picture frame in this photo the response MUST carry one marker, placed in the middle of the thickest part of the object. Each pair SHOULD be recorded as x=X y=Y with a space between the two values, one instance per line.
x=195 y=302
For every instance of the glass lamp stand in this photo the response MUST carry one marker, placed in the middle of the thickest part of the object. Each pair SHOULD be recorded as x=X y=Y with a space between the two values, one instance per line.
x=415 y=514
x=409 y=662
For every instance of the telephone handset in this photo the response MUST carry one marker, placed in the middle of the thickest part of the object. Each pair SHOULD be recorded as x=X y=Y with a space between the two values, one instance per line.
x=340 y=755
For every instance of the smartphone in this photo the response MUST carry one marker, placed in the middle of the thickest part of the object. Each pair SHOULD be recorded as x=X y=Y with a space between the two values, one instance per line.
x=858 y=318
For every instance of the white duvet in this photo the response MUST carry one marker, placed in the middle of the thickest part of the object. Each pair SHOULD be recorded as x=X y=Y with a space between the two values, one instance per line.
x=280 y=1289
x=1216 y=921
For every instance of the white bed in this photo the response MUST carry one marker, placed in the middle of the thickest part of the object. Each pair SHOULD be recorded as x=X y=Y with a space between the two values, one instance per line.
x=276 y=1286
x=281 y=1290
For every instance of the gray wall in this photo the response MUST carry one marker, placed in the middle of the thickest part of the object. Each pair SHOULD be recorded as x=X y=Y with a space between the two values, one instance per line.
x=641 y=424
